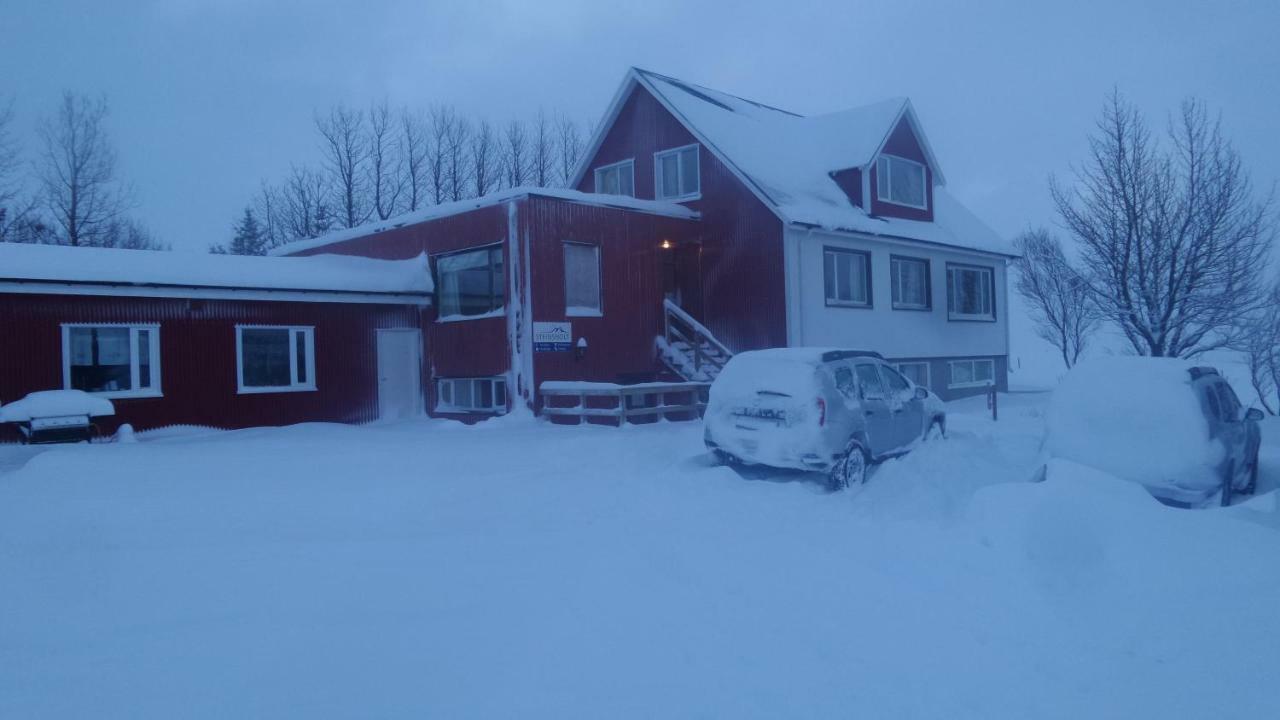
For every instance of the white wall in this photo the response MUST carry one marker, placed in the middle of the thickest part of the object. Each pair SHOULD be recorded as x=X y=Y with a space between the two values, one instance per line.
x=893 y=333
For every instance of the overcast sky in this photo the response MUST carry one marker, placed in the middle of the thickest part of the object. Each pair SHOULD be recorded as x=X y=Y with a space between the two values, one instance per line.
x=209 y=97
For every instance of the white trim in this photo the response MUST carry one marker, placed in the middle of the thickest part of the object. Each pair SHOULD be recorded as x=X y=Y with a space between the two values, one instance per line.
x=928 y=381
x=679 y=153
x=308 y=385
x=40 y=287
x=952 y=385
x=629 y=163
x=153 y=345
x=883 y=187
x=991 y=293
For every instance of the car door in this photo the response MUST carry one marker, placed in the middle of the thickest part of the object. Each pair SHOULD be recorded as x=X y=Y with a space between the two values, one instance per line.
x=876 y=418
x=906 y=409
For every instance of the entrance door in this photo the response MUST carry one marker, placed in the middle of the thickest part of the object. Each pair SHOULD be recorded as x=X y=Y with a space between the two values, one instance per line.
x=399 y=374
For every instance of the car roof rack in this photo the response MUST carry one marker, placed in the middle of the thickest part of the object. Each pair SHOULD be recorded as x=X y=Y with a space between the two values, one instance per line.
x=1199 y=372
x=833 y=355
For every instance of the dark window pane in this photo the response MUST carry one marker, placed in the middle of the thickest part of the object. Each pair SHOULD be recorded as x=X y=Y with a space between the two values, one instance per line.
x=264 y=357
x=100 y=359
x=689 y=171
x=486 y=394
x=300 y=348
x=144 y=358
x=471 y=283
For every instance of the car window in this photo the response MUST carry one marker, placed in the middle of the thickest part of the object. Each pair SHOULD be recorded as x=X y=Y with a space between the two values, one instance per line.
x=1211 y=397
x=897 y=384
x=844 y=381
x=1229 y=403
x=869 y=380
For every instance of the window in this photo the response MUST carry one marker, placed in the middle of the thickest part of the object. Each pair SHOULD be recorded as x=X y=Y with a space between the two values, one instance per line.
x=275 y=359
x=472 y=395
x=972 y=373
x=675 y=174
x=897 y=384
x=617 y=179
x=581 y=279
x=910 y=280
x=869 y=380
x=970 y=293
x=916 y=372
x=112 y=360
x=1230 y=404
x=844 y=382
x=847 y=277
x=471 y=283
x=901 y=182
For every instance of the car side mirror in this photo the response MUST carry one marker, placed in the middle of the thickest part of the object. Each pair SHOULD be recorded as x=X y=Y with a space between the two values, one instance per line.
x=921 y=393
x=1254 y=414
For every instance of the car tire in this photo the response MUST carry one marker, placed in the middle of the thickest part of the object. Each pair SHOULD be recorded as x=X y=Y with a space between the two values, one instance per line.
x=934 y=432
x=1228 y=483
x=724 y=458
x=851 y=470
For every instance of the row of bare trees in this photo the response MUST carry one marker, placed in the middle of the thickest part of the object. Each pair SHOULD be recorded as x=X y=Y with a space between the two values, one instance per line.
x=381 y=162
x=72 y=194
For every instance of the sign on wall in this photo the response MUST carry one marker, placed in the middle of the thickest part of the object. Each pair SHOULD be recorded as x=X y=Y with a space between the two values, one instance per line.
x=552 y=336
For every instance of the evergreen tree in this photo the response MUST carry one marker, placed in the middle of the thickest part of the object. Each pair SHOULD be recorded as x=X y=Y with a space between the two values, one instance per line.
x=248 y=239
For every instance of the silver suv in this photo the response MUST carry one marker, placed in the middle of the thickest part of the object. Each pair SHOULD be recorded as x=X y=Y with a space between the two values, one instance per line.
x=834 y=411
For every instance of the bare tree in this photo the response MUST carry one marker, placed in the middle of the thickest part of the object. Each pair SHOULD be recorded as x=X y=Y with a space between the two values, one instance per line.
x=515 y=154
x=439 y=155
x=1173 y=241
x=415 y=144
x=346 y=157
x=16 y=218
x=78 y=172
x=542 y=152
x=386 y=160
x=296 y=208
x=569 y=147
x=1261 y=348
x=1062 y=306
x=456 y=165
x=485 y=159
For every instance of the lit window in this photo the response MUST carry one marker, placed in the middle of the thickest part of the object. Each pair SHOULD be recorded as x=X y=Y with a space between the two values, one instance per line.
x=970 y=293
x=471 y=283
x=112 y=360
x=847 y=277
x=916 y=372
x=581 y=279
x=676 y=173
x=910 y=283
x=901 y=182
x=275 y=359
x=972 y=373
x=488 y=395
x=617 y=179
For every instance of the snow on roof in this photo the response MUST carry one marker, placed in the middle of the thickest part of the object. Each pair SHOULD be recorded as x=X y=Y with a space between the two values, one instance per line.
x=107 y=266
x=625 y=202
x=788 y=160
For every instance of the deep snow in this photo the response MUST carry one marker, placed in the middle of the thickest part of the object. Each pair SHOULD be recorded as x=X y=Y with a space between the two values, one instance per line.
x=516 y=569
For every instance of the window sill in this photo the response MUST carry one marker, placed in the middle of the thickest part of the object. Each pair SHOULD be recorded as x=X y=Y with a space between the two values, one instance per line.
x=128 y=394
x=500 y=312
x=682 y=198
x=282 y=389
x=848 y=305
x=922 y=208
x=451 y=410
x=583 y=312
x=952 y=317
x=913 y=308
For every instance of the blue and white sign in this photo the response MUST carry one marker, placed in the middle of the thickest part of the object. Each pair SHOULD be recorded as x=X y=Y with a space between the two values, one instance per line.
x=552 y=336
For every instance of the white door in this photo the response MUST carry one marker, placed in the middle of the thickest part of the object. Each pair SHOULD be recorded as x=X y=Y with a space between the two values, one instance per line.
x=399 y=374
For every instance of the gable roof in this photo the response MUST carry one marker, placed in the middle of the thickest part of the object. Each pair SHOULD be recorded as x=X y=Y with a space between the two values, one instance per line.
x=787 y=159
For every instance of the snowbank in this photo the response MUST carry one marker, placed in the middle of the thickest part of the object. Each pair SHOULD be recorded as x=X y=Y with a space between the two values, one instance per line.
x=55 y=403
x=1135 y=417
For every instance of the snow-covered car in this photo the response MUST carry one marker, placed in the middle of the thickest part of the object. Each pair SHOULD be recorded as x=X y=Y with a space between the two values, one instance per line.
x=826 y=410
x=1175 y=427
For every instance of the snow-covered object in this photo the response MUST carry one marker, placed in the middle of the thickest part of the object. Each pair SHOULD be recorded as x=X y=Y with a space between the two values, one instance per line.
x=125 y=434
x=319 y=273
x=55 y=403
x=1135 y=417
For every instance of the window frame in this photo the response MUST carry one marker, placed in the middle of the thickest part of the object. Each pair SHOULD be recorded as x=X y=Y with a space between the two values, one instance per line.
x=928 y=370
x=497 y=408
x=682 y=196
x=499 y=311
x=973 y=362
x=294 y=386
x=154 y=391
x=954 y=316
x=836 y=301
x=884 y=190
x=895 y=303
x=629 y=164
x=570 y=311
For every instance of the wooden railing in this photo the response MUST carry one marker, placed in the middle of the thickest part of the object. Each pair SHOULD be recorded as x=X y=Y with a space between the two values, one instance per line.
x=608 y=401
x=704 y=351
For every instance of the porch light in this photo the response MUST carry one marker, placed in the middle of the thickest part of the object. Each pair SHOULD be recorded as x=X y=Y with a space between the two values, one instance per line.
x=667 y=245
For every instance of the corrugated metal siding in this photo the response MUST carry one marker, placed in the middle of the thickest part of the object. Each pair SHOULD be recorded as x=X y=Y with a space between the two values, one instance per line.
x=902 y=142
x=743 y=285
x=197 y=356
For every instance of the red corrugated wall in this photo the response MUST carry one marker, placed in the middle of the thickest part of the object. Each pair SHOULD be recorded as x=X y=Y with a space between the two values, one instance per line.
x=197 y=356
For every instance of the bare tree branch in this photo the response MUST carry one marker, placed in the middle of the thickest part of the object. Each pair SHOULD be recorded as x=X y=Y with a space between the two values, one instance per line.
x=346 y=157
x=1062 y=305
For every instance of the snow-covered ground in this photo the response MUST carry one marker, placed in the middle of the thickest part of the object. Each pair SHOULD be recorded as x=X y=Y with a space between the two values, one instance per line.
x=516 y=569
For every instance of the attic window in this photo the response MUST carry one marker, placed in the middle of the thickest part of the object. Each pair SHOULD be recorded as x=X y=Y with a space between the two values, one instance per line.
x=676 y=174
x=901 y=182
x=617 y=179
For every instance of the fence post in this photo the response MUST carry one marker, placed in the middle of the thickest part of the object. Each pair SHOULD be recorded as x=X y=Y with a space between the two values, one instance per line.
x=993 y=401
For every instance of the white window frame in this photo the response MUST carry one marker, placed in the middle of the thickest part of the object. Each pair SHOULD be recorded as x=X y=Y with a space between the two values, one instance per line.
x=499 y=406
x=973 y=363
x=869 y=287
x=884 y=188
x=499 y=311
x=154 y=391
x=928 y=381
x=309 y=332
x=579 y=311
x=629 y=164
x=894 y=285
x=657 y=173
x=952 y=299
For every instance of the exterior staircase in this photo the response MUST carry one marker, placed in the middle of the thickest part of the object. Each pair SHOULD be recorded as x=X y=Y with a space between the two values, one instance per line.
x=688 y=348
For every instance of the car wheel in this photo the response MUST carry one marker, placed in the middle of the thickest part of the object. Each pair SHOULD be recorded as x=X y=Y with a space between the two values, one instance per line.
x=934 y=432
x=851 y=470
x=1228 y=483
x=724 y=458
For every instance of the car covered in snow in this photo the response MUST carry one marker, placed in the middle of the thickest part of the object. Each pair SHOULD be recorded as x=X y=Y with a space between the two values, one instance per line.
x=827 y=410
x=1175 y=427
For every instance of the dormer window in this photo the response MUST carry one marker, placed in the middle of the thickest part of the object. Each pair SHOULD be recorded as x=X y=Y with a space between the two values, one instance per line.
x=676 y=174
x=617 y=179
x=901 y=182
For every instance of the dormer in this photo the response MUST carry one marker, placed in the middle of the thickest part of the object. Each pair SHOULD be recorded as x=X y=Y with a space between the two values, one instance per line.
x=899 y=180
